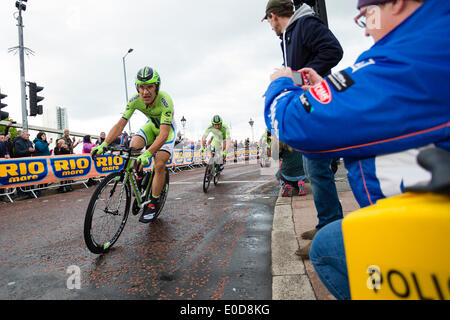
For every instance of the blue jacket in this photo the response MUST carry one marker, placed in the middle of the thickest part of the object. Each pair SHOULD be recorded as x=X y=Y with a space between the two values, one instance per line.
x=41 y=147
x=4 y=149
x=393 y=101
x=307 y=42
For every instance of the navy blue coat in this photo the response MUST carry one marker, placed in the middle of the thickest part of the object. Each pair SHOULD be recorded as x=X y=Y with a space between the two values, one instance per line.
x=310 y=44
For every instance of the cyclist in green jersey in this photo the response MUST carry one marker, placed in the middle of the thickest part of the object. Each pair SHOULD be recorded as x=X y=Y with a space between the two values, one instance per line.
x=157 y=135
x=266 y=140
x=221 y=140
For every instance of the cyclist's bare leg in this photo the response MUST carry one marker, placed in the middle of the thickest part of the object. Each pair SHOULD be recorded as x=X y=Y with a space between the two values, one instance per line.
x=159 y=179
x=137 y=142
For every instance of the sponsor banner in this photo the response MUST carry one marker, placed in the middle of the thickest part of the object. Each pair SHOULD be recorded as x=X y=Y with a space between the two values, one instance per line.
x=20 y=172
x=24 y=172
x=197 y=157
x=106 y=164
x=188 y=156
x=71 y=167
x=178 y=157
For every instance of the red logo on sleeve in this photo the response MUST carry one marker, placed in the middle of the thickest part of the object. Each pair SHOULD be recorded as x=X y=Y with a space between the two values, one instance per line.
x=322 y=92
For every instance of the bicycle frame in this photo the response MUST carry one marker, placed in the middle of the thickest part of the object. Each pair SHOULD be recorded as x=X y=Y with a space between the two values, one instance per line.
x=128 y=174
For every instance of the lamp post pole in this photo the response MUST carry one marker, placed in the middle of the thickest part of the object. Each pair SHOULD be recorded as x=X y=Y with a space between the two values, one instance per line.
x=21 y=6
x=251 y=122
x=183 y=123
x=125 y=78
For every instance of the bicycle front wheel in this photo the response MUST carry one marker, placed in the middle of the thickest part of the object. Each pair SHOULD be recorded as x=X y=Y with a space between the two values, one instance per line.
x=107 y=213
x=207 y=177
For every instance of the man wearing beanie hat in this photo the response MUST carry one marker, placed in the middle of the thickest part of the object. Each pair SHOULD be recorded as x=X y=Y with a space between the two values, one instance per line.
x=387 y=107
x=307 y=42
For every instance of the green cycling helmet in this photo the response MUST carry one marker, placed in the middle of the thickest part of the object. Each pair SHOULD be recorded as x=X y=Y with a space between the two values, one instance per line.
x=216 y=120
x=148 y=75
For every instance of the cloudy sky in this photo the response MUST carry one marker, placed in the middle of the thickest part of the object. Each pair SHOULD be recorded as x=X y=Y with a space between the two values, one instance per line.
x=214 y=57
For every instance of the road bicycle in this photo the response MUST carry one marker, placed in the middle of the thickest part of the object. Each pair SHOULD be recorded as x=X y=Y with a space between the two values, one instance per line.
x=109 y=207
x=212 y=171
x=264 y=159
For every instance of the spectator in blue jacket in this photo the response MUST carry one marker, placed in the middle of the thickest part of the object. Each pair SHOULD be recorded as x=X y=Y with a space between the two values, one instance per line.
x=41 y=145
x=23 y=146
x=385 y=112
x=4 y=151
x=307 y=42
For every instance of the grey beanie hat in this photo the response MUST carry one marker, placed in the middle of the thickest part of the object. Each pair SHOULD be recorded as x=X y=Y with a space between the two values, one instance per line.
x=363 y=3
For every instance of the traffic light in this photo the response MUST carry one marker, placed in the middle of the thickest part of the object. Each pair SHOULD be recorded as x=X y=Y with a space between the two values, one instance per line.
x=3 y=114
x=35 y=109
x=20 y=5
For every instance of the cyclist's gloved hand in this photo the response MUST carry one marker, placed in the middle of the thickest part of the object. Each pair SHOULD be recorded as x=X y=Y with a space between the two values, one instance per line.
x=144 y=158
x=99 y=149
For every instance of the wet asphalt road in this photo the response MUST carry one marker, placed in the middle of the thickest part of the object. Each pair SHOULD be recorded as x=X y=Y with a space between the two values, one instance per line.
x=203 y=246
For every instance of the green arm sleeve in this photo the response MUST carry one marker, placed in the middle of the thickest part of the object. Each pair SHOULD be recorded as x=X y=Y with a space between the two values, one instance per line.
x=167 y=114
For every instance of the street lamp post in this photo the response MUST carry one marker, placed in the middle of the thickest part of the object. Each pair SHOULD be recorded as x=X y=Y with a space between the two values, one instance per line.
x=125 y=77
x=183 y=123
x=251 y=122
x=22 y=7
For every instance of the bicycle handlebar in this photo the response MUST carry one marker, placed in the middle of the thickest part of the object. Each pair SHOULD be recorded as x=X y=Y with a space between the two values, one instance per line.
x=119 y=148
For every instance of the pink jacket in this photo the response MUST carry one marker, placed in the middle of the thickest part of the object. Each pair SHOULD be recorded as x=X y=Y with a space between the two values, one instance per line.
x=87 y=147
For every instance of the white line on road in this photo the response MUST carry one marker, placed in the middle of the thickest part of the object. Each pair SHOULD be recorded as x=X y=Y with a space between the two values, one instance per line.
x=221 y=182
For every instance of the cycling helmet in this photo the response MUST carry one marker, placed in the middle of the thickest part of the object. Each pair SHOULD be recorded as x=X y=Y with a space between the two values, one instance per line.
x=216 y=120
x=148 y=75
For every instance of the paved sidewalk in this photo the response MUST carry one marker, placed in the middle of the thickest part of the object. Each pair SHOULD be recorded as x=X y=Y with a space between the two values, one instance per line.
x=294 y=278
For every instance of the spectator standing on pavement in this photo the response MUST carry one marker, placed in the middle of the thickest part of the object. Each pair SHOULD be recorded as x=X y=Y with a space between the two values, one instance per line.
x=41 y=149
x=63 y=149
x=70 y=142
x=87 y=147
x=23 y=146
x=41 y=145
x=13 y=141
x=101 y=139
x=87 y=144
x=379 y=148
x=9 y=144
x=4 y=151
x=125 y=140
x=291 y=174
x=307 y=42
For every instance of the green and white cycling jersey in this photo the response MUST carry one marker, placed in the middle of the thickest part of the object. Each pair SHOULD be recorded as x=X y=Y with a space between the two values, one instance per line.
x=219 y=135
x=265 y=139
x=162 y=113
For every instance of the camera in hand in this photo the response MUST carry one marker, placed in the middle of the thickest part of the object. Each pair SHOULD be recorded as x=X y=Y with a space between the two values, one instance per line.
x=299 y=78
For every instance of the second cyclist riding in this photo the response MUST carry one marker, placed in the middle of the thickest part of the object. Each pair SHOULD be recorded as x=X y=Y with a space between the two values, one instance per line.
x=221 y=141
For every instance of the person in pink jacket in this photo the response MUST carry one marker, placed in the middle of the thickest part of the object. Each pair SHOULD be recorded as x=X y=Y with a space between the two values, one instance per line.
x=87 y=144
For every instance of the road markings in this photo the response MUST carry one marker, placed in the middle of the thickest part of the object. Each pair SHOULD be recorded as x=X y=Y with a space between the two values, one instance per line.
x=221 y=182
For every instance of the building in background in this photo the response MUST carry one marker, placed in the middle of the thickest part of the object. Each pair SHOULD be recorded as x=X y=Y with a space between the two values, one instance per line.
x=56 y=118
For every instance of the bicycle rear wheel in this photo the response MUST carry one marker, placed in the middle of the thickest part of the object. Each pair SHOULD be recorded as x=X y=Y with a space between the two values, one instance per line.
x=107 y=213
x=164 y=193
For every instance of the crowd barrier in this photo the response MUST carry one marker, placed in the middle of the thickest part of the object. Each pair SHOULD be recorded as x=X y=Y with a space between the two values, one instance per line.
x=37 y=173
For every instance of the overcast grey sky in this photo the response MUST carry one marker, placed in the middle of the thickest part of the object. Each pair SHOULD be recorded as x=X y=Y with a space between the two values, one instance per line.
x=214 y=57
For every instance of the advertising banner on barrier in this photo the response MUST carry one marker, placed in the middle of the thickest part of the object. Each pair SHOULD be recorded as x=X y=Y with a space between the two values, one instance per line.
x=21 y=172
